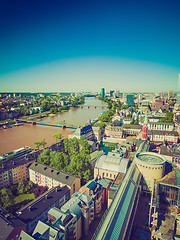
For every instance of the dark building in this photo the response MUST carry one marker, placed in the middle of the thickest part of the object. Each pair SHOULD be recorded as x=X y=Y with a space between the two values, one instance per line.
x=37 y=209
x=102 y=92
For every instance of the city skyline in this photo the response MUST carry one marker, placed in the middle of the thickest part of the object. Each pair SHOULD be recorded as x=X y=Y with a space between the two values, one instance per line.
x=74 y=46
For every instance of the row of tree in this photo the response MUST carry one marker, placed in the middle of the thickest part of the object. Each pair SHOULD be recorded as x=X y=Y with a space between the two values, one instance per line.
x=43 y=143
x=75 y=158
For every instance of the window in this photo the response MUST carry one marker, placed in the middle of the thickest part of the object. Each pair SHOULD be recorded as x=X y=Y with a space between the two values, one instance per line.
x=74 y=188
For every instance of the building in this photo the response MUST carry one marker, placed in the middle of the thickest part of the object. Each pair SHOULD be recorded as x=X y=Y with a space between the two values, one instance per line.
x=145 y=129
x=38 y=209
x=73 y=208
x=111 y=93
x=97 y=133
x=44 y=175
x=85 y=133
x=152 y=167
x=117 y=119
x=10 y=226
x=114 y=131
x=43 y=231
x=106 y=183
x=13 y=170
x=172 y=154
x=110 y=166
x=118 y=221
x=35 y=110
x=95 y=190
x=131 y=129
x=102 y=92
x=130 y=99
x=66 y=221
x=161 y=126
x=86 y=204
x=162 y=136
x=170 y=94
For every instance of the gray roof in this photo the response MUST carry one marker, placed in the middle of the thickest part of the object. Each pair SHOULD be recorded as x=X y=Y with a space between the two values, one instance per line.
x=160 y=132
x=164 y=150
x=161 y=123
x=104 y=182
x=46 y=231
x=112 y=163
x=42 y=203
x=53 y=173
x=25 y=236
x=72 y=206
x=131 y=126
x=8 y=222
x=83 y=197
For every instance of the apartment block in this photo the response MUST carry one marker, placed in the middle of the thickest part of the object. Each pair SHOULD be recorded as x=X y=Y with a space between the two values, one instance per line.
x=37 y=209
x=44 y=175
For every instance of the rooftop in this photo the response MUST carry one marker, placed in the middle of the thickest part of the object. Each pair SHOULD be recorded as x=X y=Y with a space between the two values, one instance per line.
x=112 y=163
x=40 y=204
x=53 y=173
x=150 y=158
x=7 y=223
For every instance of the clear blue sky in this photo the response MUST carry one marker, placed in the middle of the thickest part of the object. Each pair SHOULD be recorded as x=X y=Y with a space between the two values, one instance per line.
x=64 y=45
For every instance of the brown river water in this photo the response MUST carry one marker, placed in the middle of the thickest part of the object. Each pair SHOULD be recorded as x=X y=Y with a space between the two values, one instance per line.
x=25 y=135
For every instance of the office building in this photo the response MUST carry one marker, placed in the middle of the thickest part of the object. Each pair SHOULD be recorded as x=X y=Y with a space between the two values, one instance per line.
x=111 y=93
x=130 y=99
x=102 y=92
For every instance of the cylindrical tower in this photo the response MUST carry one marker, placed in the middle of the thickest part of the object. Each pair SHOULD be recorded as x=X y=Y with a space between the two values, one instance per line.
x=152 y=167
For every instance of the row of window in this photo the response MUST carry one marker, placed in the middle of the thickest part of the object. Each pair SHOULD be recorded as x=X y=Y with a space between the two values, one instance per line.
x=151 y=167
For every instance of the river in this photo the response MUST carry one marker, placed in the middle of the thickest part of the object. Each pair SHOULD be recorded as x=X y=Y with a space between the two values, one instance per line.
x=25 y=135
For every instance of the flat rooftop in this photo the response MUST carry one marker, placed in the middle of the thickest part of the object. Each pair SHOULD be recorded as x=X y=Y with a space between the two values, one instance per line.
x=150 y=158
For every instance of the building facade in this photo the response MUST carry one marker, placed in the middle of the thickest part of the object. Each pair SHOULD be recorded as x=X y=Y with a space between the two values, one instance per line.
x=44 y=175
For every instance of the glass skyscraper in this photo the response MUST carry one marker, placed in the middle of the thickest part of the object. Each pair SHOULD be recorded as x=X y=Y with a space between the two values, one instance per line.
x=102 y=92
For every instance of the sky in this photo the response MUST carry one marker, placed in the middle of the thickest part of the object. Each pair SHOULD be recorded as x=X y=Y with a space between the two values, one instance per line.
x=75 y=45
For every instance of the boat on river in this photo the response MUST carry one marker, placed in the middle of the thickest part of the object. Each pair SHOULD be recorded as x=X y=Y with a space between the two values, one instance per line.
x=15 y=153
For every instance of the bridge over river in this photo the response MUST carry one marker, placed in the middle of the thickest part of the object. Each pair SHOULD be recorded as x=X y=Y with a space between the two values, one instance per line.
x=38 y=122
x=88 y=107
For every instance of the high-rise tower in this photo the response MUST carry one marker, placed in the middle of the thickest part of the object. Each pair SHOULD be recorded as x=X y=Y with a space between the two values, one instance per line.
x=102 y=92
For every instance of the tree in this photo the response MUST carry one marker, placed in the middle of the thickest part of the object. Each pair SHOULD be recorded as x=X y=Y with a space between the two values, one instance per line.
x=44 y=157
x=43 y=143
x=21 y=186
x=57 y=136
x=37 y=144
x=74 y=159
x=124 y=106
x=7 y=199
